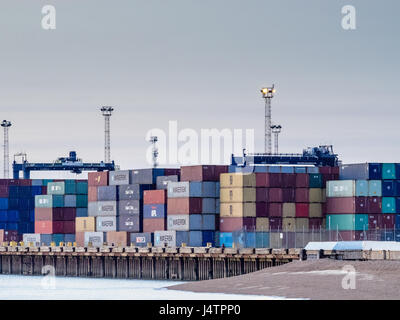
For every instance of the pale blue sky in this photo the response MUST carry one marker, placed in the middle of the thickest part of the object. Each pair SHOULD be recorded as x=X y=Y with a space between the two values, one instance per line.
x=201 y=63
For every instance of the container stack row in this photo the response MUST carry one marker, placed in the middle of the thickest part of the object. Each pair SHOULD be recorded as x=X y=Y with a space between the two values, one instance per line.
x=55 y=211
x=366 y=200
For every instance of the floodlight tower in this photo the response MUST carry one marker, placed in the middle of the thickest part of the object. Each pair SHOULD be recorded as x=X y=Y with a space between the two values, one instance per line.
x=276 y=130
x=6 y=124
x=153 y=140
x=268 y=94
x=107 y=111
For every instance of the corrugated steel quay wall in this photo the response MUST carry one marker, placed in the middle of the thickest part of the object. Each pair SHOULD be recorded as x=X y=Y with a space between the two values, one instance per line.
x=154 y=266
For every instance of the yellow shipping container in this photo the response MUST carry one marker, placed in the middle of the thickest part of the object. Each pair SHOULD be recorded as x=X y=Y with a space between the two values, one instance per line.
x=315 y=195
x=315 y=210
x=240 y=209
x=238 y=195
x=302 y=224
x=83 y=224
x=237 y=180
x=288 y=224
x=289 y=210
x=262 y=224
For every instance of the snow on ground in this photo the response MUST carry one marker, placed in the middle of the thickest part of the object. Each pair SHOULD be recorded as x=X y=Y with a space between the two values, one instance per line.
x=47 y=288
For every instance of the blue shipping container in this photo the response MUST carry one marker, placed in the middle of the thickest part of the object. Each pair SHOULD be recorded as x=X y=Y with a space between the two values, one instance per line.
x=208 y=237
x=3 y=203
x=195 y=238
x=226 y=239
x=154 y=211
x=81 y=212
x=3 y=216
x=388 y=188
x=182 y=237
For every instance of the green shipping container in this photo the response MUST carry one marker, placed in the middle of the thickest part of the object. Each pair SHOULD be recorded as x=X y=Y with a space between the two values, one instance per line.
x=46 y=181
x=81 y=187
x=315 y=180
x=388 y=171
x=70 y=187
x=56 y=188
x=49 y=201
x=81 y=201
x=388 y=205
x=347 y=222
x=340 y=188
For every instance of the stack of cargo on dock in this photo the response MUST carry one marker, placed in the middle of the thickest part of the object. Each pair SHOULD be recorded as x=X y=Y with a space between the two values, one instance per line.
x=364 y=202
x=55 y=212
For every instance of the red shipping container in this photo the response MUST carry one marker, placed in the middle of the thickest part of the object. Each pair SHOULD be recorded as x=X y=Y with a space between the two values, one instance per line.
x=155 y=196
x=323 y=207
x=117 y=238
x=172 y=172
x=9 y=182
x=374 y=205
x=288 y=180
x=92 y=194
x=302 y=210
x=69 y=227
x=325 y=170
x=98 y=178
x=67 y=214
x=374 y=221
x=315 y=224
x=302 y=195
x=49 y=227
x=44 y=189
x=261 y=209
x=341 y=205
x=288 y=195
x=3 y=191
x=235 y=224
x=275 y=195
x=4 y=182
x=80 y=239
x=361 y=205
x=388 y=221
x=262 y=194
x=1 y=235
x=275 y=224
x=11 y=235
x=152 y=225
x=275 y=209
x=184 y=205
x=25 y=182
x=302 y=180
x=44 y=214
x=262 y=179
x=198 y=173
x=335 y=170
x=220 y=169
x=275 y=180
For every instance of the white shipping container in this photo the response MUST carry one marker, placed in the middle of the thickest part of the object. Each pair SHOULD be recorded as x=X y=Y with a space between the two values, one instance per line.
x=165 y=238
x=340 y=188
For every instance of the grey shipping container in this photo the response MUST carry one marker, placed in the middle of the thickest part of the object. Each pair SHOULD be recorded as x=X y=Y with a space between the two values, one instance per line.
x=127 y=207
x=183 y=222
x=162 y=181
x=95 y=238
x=182 y=237
x=121 y=177
x=70 y=201
x=107 y=193
x=133 y=191
x=208 y=222
x=195 y=238
x=208 y=206
x=104 y=224
x=130 y=223
x=102 y=208
x=142 y=239
x=146 y=176
x=34 y=238
x=165 y=238
x=46 y=239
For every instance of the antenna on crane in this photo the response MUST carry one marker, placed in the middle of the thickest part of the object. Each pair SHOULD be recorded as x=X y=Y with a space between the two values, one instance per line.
x=276 y=130
x=268 y=94
x=107 y=112
x=6 y=125
x=153 y=140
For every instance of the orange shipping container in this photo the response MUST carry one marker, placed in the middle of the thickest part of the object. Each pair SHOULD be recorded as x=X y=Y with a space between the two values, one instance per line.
x=155 y=196
x=117 y=238
x=92 y=194
x=49 y=227
x=98 y=178
x=154 y=224
x=1 y=235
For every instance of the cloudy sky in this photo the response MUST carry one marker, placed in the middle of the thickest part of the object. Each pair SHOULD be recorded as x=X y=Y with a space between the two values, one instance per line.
x=202 y=64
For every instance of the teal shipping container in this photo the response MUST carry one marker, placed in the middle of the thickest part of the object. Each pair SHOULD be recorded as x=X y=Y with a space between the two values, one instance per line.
x=361 y=188
x=70 y=187
x=388 y=205
x=226 y=239
x=81 y=201
x=45 y=182
x=388 y=171
x=347 y=222
x=49 y=201
x=340 y=188
x=56 y=188
x=262 y=239
x=315 y=180
x=375 y=188
x=81 y=187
